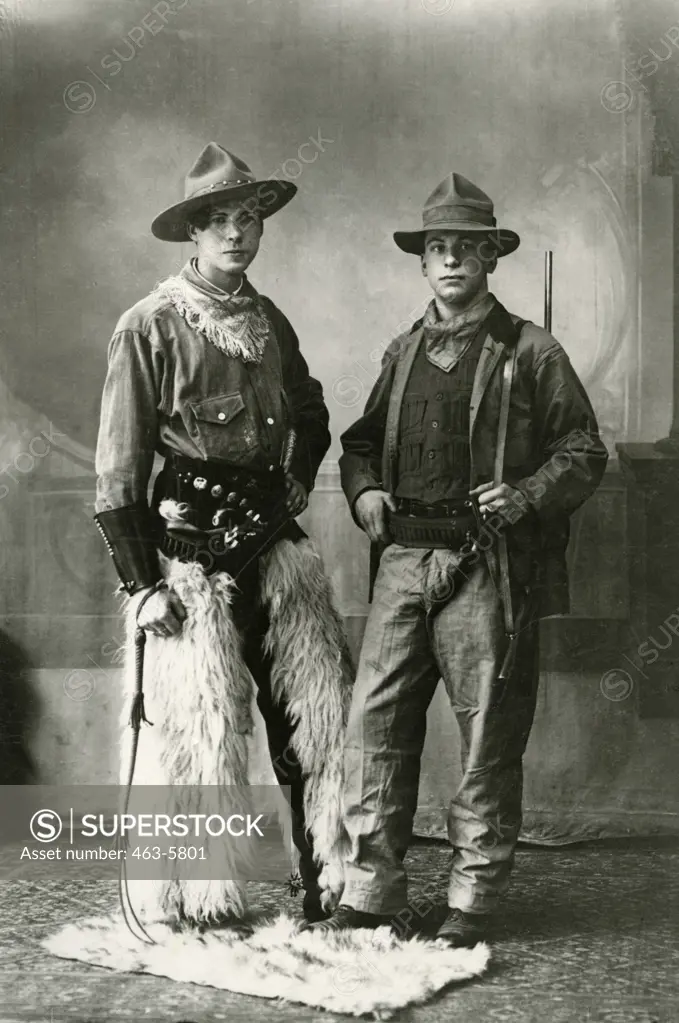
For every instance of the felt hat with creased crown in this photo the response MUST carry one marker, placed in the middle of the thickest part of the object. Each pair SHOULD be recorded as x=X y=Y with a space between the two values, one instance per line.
x=219 y=175
x=458 y=205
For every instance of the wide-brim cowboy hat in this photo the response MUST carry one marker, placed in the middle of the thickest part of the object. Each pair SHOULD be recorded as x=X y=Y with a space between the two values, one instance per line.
x=218 y=175
x=458 y=205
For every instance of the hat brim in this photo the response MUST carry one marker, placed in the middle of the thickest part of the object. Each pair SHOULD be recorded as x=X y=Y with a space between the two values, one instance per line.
x=504 y=240
x=172 y=224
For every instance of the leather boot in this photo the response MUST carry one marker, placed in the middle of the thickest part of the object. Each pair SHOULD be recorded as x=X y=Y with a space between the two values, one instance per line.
x=463 y=930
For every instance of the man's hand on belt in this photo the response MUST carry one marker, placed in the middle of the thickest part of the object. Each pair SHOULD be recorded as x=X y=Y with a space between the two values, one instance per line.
x=503 y=499
x=297 y=498
x=369 y=510
x=162 y=614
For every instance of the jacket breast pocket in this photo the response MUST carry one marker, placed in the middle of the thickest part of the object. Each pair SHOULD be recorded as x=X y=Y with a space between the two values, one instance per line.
x=412 y=418
x=224 y=427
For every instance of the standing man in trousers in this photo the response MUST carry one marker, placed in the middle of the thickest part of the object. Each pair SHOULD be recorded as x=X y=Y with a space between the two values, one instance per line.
x=477 y=443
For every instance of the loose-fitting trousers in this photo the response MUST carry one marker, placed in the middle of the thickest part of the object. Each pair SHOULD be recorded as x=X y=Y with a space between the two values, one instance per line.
x=425 y=624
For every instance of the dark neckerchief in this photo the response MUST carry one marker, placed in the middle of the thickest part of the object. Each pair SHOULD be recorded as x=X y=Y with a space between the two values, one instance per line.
x=446 y=341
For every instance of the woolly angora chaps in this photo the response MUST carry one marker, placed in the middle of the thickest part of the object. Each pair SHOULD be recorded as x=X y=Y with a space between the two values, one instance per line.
x=198 y=694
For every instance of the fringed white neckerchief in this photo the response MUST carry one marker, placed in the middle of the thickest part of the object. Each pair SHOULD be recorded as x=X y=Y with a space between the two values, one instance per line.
x=235 y=324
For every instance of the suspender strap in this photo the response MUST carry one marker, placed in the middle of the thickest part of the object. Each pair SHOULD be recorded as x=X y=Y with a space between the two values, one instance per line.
x=505 y=590
x=503 y=419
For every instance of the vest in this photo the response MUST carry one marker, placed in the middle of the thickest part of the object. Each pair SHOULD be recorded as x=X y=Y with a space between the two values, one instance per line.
x=434 y=462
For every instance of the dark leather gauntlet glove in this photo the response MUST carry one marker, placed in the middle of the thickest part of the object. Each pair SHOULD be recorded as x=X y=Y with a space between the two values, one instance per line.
x=133 y=544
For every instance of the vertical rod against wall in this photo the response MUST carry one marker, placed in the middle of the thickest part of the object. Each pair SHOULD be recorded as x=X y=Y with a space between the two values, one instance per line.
x=674 y=429
x=670 y=445
x=548 y=290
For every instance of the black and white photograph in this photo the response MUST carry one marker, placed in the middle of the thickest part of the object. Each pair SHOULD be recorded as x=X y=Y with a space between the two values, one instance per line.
x=339 y=511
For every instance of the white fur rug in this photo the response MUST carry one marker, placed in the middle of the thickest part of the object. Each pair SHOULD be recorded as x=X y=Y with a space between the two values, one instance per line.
x=358 y=973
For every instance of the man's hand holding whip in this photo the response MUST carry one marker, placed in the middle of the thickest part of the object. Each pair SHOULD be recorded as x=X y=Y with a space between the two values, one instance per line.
x=161 y=613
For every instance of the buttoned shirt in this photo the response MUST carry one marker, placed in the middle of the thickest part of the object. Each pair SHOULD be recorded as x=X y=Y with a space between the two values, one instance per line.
x=434 y=461
x=169 y=389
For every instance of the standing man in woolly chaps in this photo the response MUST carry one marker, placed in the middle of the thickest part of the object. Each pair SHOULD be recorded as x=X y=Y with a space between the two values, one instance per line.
x=208 y=373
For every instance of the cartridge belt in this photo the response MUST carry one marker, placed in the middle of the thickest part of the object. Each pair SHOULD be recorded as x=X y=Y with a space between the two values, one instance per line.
x=230 y=515
x=212 y=487
x=446 y=524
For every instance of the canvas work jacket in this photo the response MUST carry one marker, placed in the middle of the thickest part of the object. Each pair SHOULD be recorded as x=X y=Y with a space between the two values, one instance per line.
x=553 y=454
x=168 y=389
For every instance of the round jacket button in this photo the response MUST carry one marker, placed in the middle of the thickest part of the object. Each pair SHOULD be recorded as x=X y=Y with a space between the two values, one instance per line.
x=270 y=421
x=217 y=490
x=200 y=483
x=221 y=415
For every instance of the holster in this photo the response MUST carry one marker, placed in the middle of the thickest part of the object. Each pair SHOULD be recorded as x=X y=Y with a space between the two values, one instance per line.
x=231 y=516
x=131 y=535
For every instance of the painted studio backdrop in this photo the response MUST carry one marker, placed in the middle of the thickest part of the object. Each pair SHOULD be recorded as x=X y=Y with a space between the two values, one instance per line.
x=366 y=106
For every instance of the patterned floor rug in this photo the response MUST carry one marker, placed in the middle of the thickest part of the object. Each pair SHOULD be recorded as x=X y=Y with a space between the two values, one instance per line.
x=359 y=973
